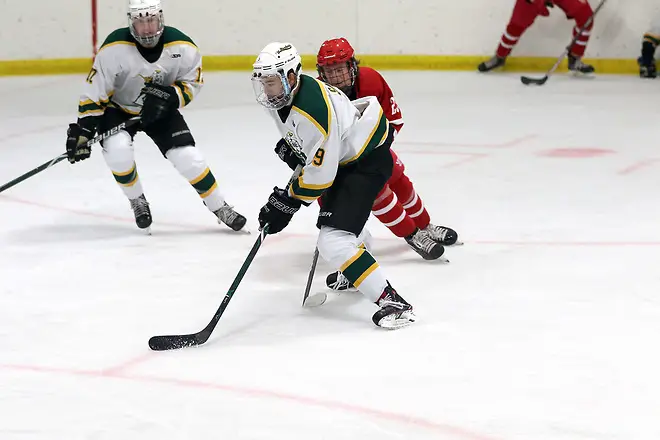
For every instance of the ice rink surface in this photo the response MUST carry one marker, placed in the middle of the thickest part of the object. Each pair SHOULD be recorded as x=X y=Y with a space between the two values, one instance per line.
x=545 y=325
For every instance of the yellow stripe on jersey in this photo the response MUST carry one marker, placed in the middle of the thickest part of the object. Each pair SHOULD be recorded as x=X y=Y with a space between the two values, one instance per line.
x=174 y=43
x=376 y=138
x=308 y=192
x=115 y=43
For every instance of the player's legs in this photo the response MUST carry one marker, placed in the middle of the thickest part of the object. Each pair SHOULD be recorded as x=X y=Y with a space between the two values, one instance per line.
x=119 y=156
x=388 y=209
x=177 y=144
x=346 y=208
x=414 y=206
x=580 y=11
x=523 y=16
x=646 y=61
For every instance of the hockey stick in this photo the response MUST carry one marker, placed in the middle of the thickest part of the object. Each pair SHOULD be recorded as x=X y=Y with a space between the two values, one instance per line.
x=170 y=342
x=540 y=81
x=310 y=277
x=160 y=343
x=63 y=156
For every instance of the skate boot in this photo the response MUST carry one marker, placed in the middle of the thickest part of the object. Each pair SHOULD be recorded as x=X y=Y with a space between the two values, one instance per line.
x=646 y=70
x=442 y=234
x=394 y=311
x=337 y=281
x=229 y=217
x=491 y=64
x=141 y=211
x=576 y=65
x=424 y=245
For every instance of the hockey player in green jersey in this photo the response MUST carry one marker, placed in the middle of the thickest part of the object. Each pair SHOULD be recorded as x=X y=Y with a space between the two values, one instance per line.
x=343 y=148
x=151 y=70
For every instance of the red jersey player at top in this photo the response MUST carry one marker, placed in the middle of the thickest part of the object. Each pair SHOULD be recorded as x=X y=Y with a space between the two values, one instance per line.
x=397 y=206
x=524 y=15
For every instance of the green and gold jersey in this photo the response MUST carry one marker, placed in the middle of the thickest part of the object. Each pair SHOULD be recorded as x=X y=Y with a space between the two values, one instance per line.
x=120 y=71
x=330 y=131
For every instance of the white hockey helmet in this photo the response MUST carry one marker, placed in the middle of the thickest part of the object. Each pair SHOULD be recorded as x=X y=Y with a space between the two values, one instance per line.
x=145 y=21
x=270 y=75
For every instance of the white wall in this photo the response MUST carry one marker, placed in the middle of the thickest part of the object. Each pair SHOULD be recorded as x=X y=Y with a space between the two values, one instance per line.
x=62 y=28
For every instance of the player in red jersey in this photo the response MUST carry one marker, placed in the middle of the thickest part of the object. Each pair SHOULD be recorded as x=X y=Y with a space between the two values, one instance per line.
x=397 y=206
x=524 y=14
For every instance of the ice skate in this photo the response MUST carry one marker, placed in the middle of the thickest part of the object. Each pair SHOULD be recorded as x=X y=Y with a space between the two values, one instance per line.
x=229 y=217
x=443 y=235
x=337 y=281
x=576 y=65
x=142 y=213
x=424 y=245
x=646 y=70
x=491 y=64
x=394 y=311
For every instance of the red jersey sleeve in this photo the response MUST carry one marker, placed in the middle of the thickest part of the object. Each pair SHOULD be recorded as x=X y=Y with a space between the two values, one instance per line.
x=372 y=83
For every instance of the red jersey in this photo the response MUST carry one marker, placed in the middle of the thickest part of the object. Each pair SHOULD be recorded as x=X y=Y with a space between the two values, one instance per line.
x=371 y=83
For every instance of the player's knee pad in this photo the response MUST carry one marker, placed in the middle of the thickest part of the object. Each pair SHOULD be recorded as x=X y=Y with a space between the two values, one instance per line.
x=337 y=246
x=398 y=168
x=581 y=12
x=188 y=161
x=404 y=189
x=118 y=151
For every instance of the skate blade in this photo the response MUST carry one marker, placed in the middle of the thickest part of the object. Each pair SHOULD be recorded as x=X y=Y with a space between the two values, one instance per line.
x=318 y=299
x=391 y=322
x=458 y=243
x=243 y=230
x=147 y=230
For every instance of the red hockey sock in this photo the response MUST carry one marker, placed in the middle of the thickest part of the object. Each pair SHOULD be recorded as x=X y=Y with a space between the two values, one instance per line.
x=404 y=190
x=390 y=212
x=509 y=40
x=416 y=210
x=580 y=45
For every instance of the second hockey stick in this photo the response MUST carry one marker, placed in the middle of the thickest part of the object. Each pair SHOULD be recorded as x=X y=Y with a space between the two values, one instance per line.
x=527 y=80
x=63 y=156
x=319 y=298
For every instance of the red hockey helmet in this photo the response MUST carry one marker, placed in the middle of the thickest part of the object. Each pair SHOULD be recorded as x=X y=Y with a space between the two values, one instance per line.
x=336 y=64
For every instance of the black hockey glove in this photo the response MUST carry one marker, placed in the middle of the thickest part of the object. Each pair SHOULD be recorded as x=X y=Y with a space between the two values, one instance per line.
x=159 y=102
x=286 y=154
x=278 y=211
x=76 y=143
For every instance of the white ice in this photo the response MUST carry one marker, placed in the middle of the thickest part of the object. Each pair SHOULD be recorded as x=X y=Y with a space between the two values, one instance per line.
x=545 y=325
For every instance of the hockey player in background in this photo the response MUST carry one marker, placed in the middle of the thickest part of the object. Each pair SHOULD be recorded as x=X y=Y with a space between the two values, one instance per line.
x=343 y=147
x=151 y=70
x=524 y=14
x=650 y=42
x=397 y=206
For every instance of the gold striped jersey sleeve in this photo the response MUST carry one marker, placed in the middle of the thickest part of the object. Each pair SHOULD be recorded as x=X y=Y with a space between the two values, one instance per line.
x=99 y=86
x=190 y=79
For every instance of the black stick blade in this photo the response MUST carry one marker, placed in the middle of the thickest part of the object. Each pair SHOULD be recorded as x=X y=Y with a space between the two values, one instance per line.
x=536 y=81
x=175 y=342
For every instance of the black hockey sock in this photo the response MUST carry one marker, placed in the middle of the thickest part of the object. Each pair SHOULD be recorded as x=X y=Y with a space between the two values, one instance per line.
x=648 y=52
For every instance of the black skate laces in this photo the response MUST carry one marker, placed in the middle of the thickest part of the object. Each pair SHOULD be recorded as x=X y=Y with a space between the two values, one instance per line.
x=227 y=214
x=140 y=206
x=423 y=241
